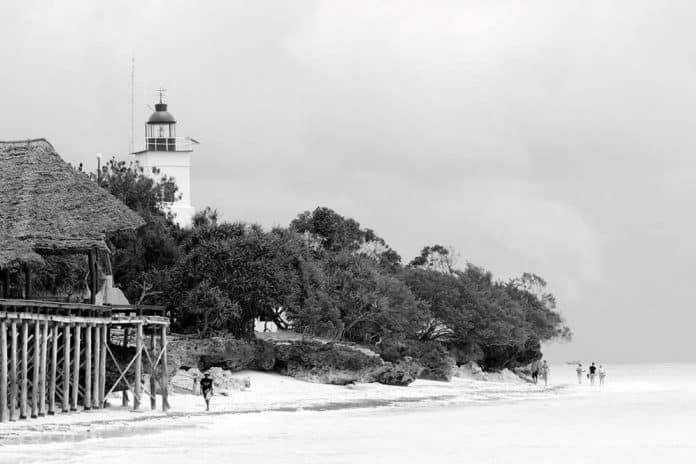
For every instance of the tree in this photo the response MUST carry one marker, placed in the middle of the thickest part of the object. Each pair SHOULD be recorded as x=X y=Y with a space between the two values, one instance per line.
x=372 y=305
x=213 y=308
x=436 y=258
x=254 y=269
x=153 y=246
x=336 y=234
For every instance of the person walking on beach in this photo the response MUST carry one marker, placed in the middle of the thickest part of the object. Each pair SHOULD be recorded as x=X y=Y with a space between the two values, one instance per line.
x=207 y=390
x=593 y=373
x=535 y=371
x=545 y=373
x=602 y=374
x=579 y=370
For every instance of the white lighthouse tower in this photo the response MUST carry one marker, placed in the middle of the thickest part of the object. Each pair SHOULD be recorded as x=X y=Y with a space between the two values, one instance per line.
x=172 y=156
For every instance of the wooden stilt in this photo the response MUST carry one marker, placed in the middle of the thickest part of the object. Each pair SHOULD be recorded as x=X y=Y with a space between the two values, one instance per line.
x=66 y=368
x=95 y=378
x=88 y=368
x=93 y=275
x=14 y=385
x=4 y=412
x=25 y=378
x=42 y=370
x=138 y=366
x=164 y=384
x=27 y=283
x=76 y=368
x=35 y=371
x=102 y=366
x=54 y=370
x=153 y=373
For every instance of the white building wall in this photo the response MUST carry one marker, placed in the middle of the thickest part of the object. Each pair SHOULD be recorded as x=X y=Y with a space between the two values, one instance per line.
x=176 y=165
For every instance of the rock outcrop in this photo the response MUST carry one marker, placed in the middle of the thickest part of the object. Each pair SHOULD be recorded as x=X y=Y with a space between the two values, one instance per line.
x=325 y=362
x=473 y=371
x=401 y=373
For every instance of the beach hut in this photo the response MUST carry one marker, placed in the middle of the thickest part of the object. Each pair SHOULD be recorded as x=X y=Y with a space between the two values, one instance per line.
x=49 y=208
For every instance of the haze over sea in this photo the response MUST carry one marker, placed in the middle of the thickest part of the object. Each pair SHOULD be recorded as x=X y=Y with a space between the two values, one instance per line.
x=645 y=413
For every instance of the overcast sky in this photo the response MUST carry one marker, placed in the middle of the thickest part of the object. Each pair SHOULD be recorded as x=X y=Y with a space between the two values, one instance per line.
x=548 y=136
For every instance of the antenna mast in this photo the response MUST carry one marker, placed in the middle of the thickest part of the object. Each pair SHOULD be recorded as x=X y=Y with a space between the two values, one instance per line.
x=132 y=141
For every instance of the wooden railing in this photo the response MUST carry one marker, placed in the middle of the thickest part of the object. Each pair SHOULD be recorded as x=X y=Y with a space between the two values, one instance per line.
x=56 y=308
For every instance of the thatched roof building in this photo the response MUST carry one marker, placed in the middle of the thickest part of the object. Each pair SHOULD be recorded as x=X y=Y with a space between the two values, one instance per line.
x=47 y=206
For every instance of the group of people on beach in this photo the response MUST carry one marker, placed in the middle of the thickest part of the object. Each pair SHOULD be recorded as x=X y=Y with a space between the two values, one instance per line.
x=592 y=373
x=540 y=369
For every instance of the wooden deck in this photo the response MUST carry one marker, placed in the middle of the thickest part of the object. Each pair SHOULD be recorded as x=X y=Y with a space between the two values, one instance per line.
x=53 y=355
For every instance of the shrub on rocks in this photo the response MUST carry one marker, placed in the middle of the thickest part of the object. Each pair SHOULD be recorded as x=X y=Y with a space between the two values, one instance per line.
x=401 y=373
x=436 y=362
x=324 y=362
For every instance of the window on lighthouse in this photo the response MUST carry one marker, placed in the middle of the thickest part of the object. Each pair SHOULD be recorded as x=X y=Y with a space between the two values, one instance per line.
x=160 y=131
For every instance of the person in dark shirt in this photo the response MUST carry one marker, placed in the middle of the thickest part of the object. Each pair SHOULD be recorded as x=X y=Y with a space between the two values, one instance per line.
x=592 y=373
x=207 y=390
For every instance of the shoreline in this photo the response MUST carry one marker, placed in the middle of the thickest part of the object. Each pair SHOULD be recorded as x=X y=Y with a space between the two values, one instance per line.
x=268 y=393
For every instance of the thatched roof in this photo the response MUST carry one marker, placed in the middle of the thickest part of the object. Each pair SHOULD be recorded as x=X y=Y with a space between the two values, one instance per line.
x=48 y=206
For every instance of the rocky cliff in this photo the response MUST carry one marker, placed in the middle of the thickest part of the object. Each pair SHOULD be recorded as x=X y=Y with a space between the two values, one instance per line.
x=312 y=360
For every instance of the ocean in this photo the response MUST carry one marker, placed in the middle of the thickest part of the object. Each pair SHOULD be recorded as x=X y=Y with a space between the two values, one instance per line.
x=644 y=413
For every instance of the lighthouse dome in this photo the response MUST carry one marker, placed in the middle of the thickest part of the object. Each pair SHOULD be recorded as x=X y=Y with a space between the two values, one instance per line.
x=161 y=115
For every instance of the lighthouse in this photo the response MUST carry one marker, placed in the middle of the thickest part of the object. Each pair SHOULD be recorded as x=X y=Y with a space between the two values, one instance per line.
x=171 y=155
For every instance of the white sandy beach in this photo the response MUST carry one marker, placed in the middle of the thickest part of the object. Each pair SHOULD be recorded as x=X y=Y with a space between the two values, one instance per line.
x=632 y=419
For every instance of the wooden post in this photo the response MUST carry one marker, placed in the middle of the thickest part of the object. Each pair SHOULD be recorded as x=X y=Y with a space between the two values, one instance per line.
x=66 y=368
x=87 y=403
x=76 y=369
x=4 y=413
x=138 y=365
x=164 y=384
x=97 y=370
x=93 y=275
x=102 y=366
x=25 y=379
x=14 y=387
x=153 y=371
x=54 y=370
x=125 y=337
x=42 y=371
x=35 y=373
x=27 y=283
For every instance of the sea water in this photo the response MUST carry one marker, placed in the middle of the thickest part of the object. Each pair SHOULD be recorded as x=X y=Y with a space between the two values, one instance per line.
x=644 y=413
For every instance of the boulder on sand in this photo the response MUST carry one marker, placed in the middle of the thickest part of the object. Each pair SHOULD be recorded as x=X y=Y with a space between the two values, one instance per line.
x=401 y=373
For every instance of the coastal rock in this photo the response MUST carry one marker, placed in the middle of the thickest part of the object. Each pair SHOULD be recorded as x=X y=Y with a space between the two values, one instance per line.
x=225 y=380
x=470 y=370
x=224 y=352
x=312 y=360
x=401 y=374
x=437 y=363
x=473 y=371
x=325 y=362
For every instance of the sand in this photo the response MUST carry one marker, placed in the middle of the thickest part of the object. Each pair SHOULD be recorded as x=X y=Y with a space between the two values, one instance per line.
x=644 y=414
